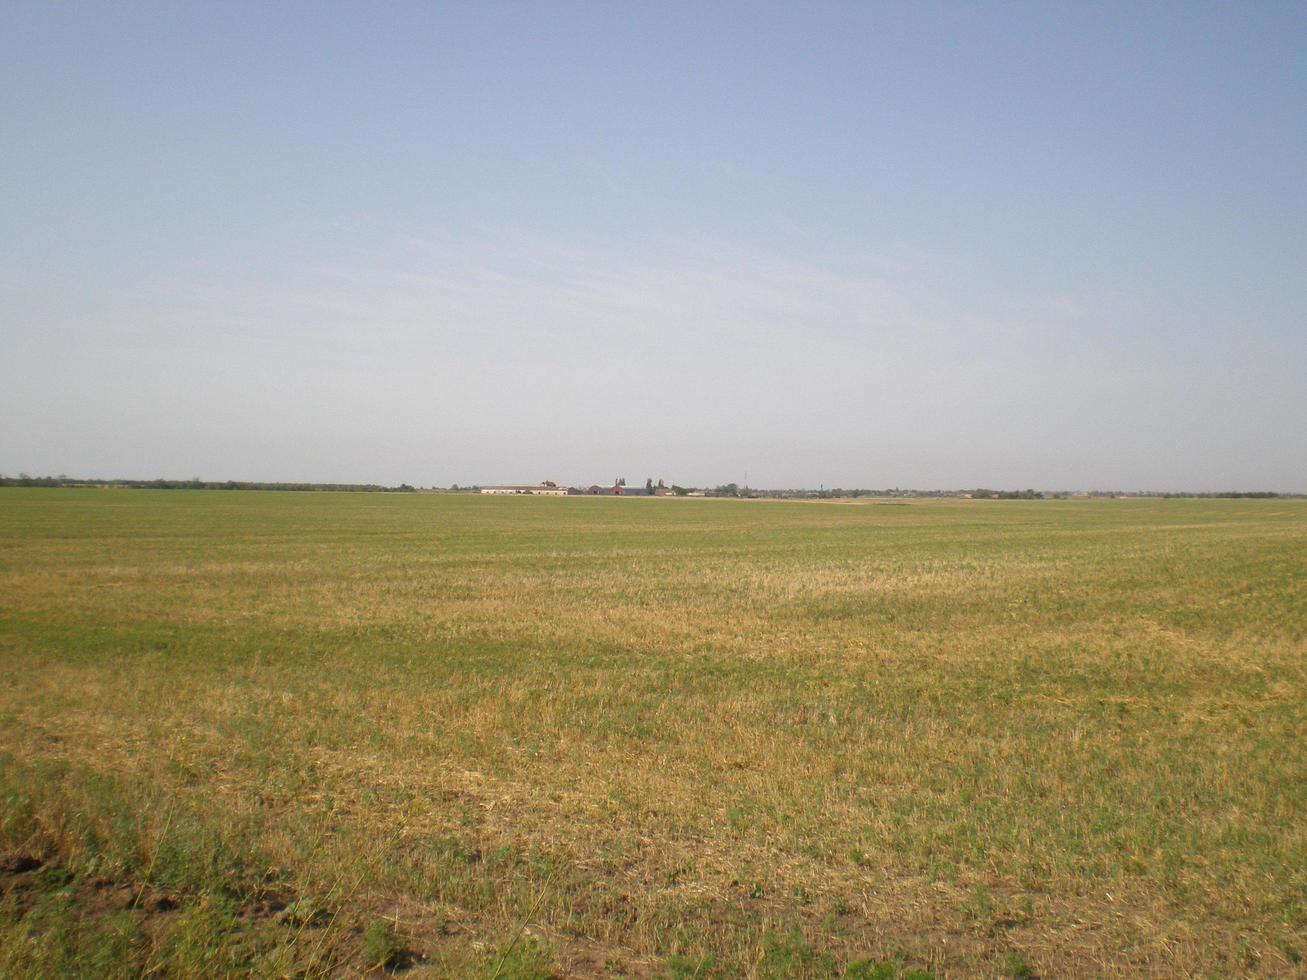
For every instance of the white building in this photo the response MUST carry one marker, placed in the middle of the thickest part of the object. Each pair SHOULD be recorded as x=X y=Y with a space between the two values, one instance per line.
x=547 y=489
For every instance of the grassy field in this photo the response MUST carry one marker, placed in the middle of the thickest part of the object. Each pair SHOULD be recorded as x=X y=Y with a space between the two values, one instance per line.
x=318 y=734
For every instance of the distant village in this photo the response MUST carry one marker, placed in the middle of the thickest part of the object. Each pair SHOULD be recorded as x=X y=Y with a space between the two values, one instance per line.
x=652 y=488
x=619 y=488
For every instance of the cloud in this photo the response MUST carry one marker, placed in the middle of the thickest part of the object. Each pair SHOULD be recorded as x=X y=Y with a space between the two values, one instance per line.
x=526 y=301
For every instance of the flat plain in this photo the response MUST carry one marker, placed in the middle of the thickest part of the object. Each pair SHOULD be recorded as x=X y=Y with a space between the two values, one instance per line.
x=451 y=735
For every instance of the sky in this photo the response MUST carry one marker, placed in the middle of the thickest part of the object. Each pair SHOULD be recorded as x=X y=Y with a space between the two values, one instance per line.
x=927 y=245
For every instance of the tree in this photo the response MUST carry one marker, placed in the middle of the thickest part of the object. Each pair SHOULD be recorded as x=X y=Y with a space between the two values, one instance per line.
x=648 y=484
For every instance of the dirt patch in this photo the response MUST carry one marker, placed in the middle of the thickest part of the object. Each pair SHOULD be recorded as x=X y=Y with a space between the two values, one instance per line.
x=26 y=877
x=19 y=864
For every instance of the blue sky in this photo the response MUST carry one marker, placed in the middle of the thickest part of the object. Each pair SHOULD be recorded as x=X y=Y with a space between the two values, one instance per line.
x=865 y=244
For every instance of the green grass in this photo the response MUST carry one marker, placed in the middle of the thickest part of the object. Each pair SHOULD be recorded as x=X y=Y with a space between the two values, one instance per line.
x=315 y=733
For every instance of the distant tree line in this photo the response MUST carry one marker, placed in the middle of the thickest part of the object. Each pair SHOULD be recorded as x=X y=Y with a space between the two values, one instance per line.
x=23 y=480
x=983 y=494
x=980 y=493
x=1234 y=495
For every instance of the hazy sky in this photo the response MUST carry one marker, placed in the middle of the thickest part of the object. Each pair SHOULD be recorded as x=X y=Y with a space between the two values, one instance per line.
x=856 y=244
